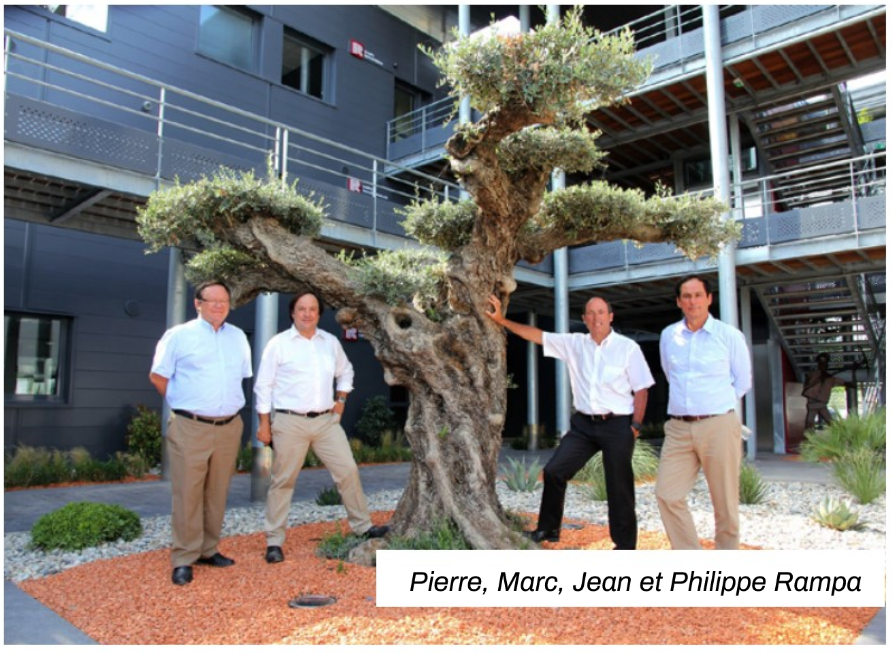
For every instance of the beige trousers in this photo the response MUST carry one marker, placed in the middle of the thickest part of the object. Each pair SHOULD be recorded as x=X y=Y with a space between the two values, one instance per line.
x=202 y=462
x=714 y=445
x=292 y=437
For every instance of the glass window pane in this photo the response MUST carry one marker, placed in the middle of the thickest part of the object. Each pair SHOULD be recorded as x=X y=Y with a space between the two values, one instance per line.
x=34 y=351
x=227 y=36
x=303 y=67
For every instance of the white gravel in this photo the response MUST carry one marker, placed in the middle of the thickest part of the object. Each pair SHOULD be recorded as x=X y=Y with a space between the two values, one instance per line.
x=782 y=521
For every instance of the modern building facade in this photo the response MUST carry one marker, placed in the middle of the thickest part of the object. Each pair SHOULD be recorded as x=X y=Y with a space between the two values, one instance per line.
x=103 y=109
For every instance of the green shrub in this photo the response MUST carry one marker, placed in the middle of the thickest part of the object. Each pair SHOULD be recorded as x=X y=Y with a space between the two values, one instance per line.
x=651 y=431
x=311 y=459
x=753 y=488
x=376 y=418
x=329 y=496
x=337 y=545
x=445 y=536
x=520 y=478
x=846 y=434
x=144 y=435
x=595 y=486
x=84 y=524
x=645 y=462
x=861 y=473
x=244 y=461
x=837 y=515
x=30 y=466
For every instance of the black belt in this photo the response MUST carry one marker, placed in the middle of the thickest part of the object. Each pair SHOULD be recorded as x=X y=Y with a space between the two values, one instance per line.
x=310 y=414
x=205 y=420
x=604 y=417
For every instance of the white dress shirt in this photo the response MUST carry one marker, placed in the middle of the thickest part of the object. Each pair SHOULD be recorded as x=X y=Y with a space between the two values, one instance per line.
x=708 y=370
x=603 y=377
x=298 y=373
x=204 y=367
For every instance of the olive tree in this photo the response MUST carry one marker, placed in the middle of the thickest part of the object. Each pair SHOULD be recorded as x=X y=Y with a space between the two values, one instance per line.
x=423 y=309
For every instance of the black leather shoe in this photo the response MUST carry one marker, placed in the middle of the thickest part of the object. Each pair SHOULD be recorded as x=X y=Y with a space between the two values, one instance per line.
x=546 y=536
x=274 y=554
x=182 y=575
x=376 y=531
x=216 y=560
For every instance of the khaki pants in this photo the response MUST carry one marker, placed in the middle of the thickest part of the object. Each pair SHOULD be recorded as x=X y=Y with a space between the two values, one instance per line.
x=202 y=462
x=713 y=444
x=292 y=437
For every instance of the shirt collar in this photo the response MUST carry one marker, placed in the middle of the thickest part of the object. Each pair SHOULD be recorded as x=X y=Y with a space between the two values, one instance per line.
x=297 y=334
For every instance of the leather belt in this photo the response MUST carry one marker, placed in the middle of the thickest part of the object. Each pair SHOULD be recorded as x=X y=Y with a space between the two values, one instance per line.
x=311 y=415
x=222 y=421
x=604 y=417
x=695 y=418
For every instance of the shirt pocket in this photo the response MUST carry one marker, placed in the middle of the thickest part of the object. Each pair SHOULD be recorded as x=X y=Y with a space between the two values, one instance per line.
x=614 y=377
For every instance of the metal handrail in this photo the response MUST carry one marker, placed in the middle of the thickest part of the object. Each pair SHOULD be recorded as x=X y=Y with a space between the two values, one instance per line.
x=233 y=126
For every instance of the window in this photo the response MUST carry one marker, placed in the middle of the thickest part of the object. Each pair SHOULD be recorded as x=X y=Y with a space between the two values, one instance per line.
x=95 y=16
x=403 y=104
x=34 y=357
x=228 y=35
x=305 y=65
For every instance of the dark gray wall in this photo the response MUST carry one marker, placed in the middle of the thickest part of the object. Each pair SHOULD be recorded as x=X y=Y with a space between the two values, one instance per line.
x=89 y=278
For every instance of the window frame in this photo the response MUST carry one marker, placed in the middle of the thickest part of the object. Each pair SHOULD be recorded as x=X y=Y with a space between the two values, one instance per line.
x=60 y=395
x=327 y=54
x=254 y=48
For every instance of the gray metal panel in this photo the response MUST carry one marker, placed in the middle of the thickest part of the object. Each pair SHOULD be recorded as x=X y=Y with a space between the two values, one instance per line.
x=811 y=222
x=53 y=128
x=769 y=16
x=737 y=27
x=602 y=256
x=189 y=162
x=753 y=233
x=872 y=212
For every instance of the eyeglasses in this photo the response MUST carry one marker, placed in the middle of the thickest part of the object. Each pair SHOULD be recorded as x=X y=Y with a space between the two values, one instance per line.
x=215 y=302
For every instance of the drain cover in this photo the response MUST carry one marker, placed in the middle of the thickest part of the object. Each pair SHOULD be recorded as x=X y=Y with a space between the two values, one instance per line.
x=311 y=601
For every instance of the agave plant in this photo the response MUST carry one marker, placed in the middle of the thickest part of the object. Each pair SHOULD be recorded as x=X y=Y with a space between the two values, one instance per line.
x=838 y=515
x=520 y=478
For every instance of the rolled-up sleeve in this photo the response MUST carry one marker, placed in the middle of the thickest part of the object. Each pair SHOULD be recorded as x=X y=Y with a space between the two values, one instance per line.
x=741 y=365
x=343 y=369
x=266 y=377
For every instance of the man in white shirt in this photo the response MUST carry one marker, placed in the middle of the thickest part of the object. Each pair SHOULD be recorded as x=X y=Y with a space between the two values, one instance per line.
x=609 y=378
x=295 y=381
x=198 y=368
x=708 y=367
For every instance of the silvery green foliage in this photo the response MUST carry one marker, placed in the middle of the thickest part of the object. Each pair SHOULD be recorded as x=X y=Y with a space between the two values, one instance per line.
x=520 y=478
x=838 y=515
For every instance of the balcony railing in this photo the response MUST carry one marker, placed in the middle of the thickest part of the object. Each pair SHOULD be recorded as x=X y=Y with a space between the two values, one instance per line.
x=66 y=102
x=670 y=37
x=840 y=198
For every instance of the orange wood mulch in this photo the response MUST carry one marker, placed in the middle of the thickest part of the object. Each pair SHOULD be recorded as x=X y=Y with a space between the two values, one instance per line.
x=130 y=600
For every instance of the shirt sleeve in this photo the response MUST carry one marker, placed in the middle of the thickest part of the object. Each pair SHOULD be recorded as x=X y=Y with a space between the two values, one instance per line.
x=343 y=369
x=555 y=345
x=266 y=376
x=741 y=365
x=247 y=363
x=164 y=362
x=640 y=376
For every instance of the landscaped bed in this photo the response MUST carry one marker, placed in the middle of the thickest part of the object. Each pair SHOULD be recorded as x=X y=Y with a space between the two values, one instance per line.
x=130 y=600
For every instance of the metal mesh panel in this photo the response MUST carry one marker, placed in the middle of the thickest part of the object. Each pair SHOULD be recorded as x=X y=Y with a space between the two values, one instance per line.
x=770 y=16
x=872 y=212
x=53 y=128
x=597 y=257
x=189 y=162
x=651 y=252
x=811 y=222
x=753 y=233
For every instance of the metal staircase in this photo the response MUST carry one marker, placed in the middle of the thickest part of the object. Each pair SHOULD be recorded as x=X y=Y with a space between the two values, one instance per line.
x=810 y=131
x=832 y=315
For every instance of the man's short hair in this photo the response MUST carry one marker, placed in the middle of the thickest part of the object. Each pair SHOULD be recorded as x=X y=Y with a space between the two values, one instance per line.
x=207 y=284
x=300 y=293
x=691 y=277
x=602 y=298
x=823 y=356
